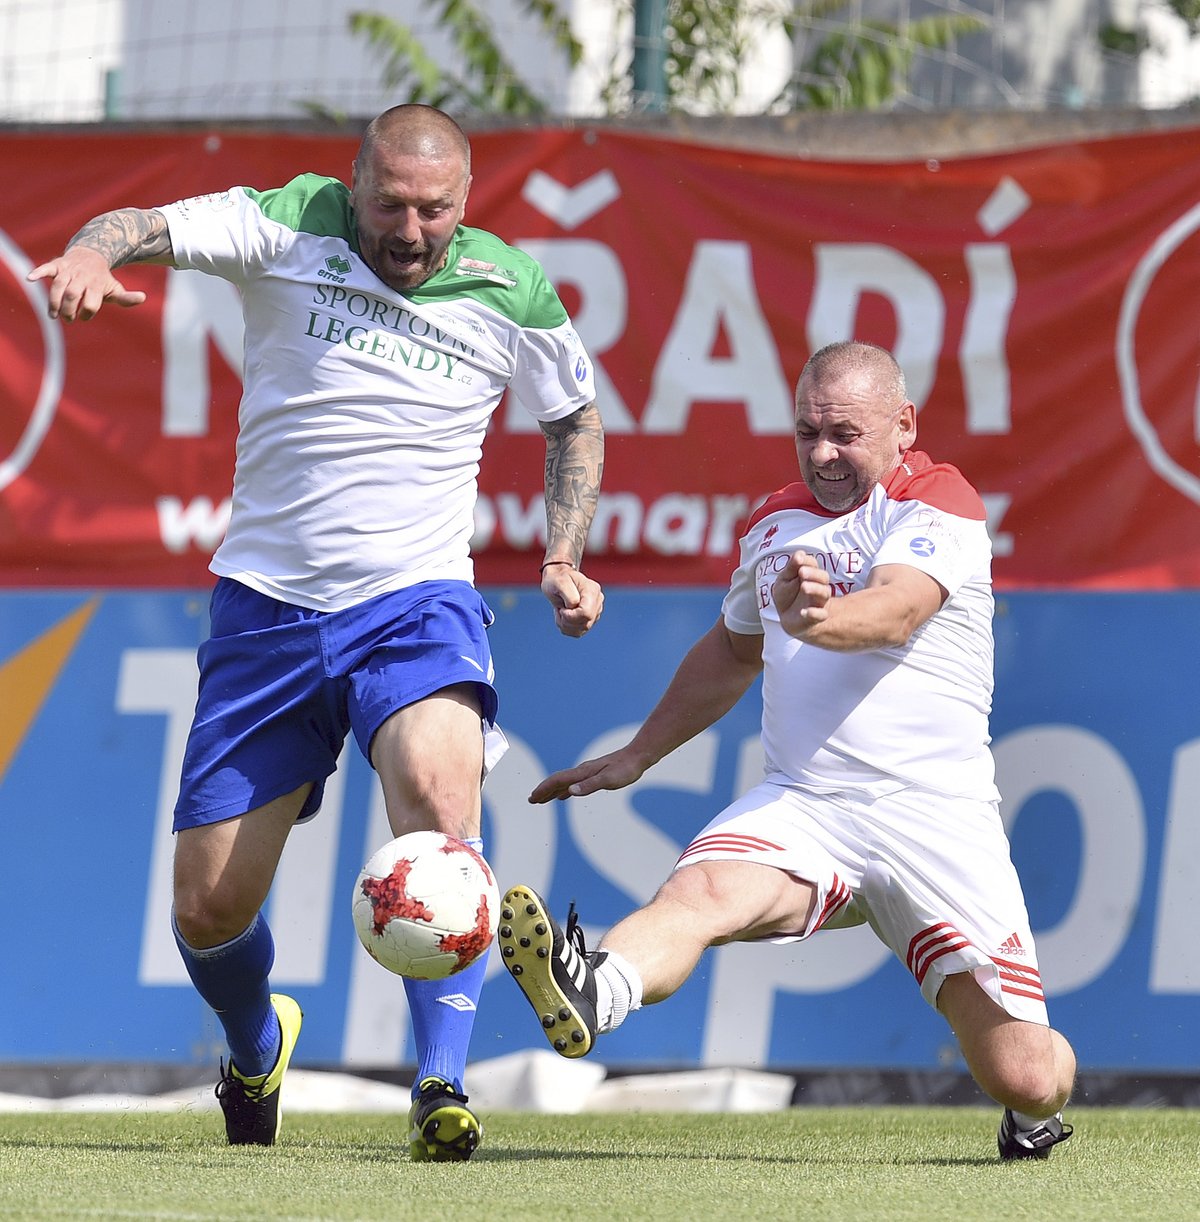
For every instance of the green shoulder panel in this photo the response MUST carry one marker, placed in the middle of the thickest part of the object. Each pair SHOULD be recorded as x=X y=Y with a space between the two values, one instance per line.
x=481 y=266
x=310 y=203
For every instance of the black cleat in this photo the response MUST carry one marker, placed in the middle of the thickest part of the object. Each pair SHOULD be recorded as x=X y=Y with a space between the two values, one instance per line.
x=1017 y=1143
x=552 y=968
x=251 y=1106
x=442 y=1129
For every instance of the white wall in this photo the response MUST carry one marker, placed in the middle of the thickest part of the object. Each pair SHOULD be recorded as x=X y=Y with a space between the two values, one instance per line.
x=54 y=56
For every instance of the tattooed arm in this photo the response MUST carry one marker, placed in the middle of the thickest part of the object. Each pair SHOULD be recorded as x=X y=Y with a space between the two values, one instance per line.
x=80 y=280
x=574 y=465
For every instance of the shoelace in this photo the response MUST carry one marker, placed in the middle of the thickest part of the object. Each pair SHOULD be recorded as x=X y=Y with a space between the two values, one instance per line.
x=440 y=1090
x=574 y=933
x=1043 y=1135
x=1049 y=1133
x=231 y=1084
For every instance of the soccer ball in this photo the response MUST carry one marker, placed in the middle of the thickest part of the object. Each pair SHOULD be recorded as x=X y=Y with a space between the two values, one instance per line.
x=426 y=905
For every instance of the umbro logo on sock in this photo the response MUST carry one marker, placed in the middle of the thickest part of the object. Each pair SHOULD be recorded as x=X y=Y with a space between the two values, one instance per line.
x=456 y=1001
x=1011 y=946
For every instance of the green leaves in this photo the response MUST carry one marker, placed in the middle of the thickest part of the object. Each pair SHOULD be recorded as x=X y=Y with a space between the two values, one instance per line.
x=847 y=65
x=1189 y=11
x=486 y=83
x=862 y=65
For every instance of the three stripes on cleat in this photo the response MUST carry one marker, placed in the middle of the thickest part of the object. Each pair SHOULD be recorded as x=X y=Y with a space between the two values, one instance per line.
x=549 y=1018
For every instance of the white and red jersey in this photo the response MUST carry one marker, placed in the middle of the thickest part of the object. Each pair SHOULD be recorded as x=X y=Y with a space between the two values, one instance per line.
x=879 y=720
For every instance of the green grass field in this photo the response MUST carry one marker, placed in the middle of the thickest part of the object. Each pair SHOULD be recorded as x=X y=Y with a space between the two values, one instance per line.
x=854 y=1164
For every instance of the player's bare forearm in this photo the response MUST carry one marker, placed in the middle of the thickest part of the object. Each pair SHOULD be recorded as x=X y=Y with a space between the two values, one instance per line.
x=612 y=771
x=81 y=279
x=711 y=679
x=713 y=676
x=896 y=601
x=127 y=235
x=574 y=466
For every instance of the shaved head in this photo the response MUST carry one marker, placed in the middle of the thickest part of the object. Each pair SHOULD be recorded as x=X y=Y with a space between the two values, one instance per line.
x=873 y=366
x=416 y=130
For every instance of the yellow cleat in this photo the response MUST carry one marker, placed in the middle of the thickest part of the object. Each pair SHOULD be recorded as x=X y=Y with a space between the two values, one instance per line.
x=442 y=1129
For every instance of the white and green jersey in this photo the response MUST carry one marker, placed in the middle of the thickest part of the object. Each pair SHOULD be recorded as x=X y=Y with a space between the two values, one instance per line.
x=363 y=409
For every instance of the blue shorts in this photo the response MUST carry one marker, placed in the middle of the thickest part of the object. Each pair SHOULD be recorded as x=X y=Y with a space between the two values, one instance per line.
x=280 y=687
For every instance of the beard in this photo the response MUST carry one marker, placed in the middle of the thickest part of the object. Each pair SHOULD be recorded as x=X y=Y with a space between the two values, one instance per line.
x=402 y=267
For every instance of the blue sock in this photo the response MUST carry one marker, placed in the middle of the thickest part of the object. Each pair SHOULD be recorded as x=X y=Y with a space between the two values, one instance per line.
x=232 y=978
x=443 y=1016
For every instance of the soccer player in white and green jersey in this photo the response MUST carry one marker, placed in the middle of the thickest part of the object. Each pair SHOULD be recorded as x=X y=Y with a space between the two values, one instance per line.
x=380 y=335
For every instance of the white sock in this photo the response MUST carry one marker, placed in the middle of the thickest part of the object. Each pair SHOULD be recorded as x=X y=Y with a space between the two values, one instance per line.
x=618 y=991
x=1026 y=1123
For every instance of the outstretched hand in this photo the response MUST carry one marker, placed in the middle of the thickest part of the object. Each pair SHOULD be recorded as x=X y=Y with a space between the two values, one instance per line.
x=577 y=599
x=612 y=771
x=801 y=594
x=80 y=282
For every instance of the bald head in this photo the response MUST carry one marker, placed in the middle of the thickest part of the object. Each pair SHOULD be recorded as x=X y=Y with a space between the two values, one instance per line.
x=872 y=367
x=416 y=130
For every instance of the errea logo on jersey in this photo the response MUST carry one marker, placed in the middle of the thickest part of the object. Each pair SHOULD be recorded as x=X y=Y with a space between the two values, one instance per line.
x=336 y=268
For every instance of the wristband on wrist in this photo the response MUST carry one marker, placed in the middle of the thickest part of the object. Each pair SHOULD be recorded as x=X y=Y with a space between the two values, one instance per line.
x=568 y=563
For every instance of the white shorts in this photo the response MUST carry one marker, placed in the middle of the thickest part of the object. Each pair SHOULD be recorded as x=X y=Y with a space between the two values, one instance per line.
x=932 y=875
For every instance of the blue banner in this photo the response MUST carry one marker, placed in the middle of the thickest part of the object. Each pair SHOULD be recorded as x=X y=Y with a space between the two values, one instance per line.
x=1097 y=739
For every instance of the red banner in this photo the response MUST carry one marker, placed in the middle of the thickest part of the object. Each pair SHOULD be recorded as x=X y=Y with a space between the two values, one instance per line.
x=1040 y=303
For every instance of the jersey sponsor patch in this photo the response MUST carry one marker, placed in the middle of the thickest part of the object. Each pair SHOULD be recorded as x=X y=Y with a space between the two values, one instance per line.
x=215 y=201
x=922 y=546
x=489 y=271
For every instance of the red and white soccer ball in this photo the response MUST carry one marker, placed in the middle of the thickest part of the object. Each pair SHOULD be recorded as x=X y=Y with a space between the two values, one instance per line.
x=426 y=905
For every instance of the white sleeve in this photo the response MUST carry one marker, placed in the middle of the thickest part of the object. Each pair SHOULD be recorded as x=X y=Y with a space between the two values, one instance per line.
x=740 y=609
x=225 y=234
x=554 y=375
x=951 y=549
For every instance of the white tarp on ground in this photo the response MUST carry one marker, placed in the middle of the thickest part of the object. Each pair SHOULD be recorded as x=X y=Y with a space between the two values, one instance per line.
x=523 y=1081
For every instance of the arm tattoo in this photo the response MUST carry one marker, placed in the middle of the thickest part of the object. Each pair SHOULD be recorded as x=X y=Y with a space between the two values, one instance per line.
x=574 y=465
x=128 y=235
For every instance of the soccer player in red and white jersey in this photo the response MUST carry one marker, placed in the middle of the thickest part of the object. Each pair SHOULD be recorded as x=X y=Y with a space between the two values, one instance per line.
x=863 y=597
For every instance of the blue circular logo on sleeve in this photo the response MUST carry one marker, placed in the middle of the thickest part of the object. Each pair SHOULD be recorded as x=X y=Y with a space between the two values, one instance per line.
x=921 y=546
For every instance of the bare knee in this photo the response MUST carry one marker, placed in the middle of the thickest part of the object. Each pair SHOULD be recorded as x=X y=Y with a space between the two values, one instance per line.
x=209 y=918
x=692 y=887
x=434 y=809
x=429 y=757
x=212 y=906
x=693 y=895
x=1022 y=1065
x=223 y=871
x=727 y=901
x=1030 y=1081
